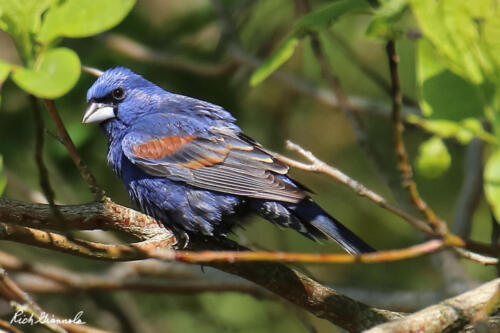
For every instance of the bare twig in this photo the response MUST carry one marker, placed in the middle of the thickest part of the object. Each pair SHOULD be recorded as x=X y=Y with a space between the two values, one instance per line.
x=482 y=259
x=401 y=154
x=134 y=276
x=368 y=71
x=447 y=316
x=156 y=248
x=73 y=153
x=42 y=169
x=375 y=257
x=54 y=241
x=12 y=292
x=316 y=165
x=140 y=52
x=92 y=71
x=7 y=327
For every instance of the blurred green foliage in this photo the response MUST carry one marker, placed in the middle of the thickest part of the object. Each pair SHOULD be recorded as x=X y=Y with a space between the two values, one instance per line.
x=48 y=71
x=452 y=69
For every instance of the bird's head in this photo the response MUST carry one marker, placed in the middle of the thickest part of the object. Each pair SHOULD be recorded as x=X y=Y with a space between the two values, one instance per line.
x=120 y=94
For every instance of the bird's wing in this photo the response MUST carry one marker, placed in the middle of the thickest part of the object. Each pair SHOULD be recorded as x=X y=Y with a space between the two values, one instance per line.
x=225 y=161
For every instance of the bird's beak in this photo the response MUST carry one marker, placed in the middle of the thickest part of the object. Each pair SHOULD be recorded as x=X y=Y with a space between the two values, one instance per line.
x=98 y=112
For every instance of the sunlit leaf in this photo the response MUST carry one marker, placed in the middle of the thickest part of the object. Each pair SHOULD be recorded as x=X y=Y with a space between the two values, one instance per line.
x=464 y=33
x=83 y=18
x=492 y=182
x=22 y=19
x=389 y=12
x=284 y=52
x=25 y=15
x=463 y=131
x=56 y=73
x=443 y=93
x=433 y=158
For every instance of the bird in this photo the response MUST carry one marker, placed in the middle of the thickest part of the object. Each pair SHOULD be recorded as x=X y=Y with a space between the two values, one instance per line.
x=186 y=163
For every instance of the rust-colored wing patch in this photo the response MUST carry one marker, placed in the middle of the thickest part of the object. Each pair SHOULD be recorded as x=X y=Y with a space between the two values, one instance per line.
x=159 y=148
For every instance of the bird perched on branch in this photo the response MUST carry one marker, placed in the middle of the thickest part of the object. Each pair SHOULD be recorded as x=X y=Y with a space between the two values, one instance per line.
x=186 y=163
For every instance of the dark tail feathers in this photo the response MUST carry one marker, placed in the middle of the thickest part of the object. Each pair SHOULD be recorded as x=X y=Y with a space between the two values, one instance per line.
x=312 y=214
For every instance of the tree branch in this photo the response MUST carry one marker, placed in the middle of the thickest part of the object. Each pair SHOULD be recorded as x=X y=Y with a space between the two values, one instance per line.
x=316 y=165
x=401 y=154
x=449 y=315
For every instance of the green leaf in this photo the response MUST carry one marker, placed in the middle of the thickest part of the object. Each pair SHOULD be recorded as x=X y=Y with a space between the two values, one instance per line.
x=83 y=18
x=492 y=182
x=22 y=15
x=21 y=19
x=322 y=18
x=388 y=14
x=57 y=71
x=3 y=179
x=284 y=52
x=463 y=131
x=464 y=33
x=433 y=158
x=315 y=21
x=444 y=94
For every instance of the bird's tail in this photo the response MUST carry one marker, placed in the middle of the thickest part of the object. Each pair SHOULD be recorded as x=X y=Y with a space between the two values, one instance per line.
x=311 y=214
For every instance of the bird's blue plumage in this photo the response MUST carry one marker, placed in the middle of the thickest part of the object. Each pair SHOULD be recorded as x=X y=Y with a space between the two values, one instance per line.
x=186 y=163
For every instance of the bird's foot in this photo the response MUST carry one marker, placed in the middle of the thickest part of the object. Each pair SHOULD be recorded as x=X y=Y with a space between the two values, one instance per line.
x=182 y=240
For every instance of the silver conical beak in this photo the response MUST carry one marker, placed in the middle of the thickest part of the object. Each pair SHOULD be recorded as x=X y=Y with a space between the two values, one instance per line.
x=98 y=112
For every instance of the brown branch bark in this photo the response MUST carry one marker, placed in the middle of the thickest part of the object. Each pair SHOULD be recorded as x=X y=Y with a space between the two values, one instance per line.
x=316 y=165
x=277 y=278
x=447 y=316
x=105 y=215
x=401 y=154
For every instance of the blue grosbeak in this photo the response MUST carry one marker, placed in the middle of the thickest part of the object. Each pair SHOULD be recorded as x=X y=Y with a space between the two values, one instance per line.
x=186 y=163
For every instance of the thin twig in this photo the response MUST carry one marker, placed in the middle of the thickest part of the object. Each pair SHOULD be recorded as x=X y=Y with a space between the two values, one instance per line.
x=368 y=71
x=92 y=71
x=73 y=153
x=43 y=174
x=94 y=250
x=159 y=248
x=316 y=165
x=7 y=327
x=169 y=278
x=12 y=292
x=140 y=52
x=401 y=154
x=482 y=259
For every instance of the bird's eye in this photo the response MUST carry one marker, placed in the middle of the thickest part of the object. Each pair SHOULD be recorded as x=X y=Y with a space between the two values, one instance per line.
x=118 y=94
